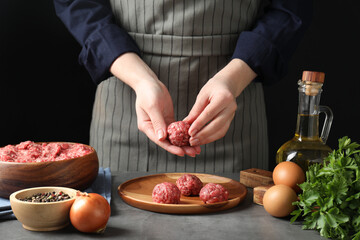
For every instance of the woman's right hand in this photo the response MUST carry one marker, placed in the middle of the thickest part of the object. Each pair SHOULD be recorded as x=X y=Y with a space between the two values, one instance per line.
x=154 y=106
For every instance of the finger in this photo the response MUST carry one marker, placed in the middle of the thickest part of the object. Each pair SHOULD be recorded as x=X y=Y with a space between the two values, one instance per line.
x=215 y=130
x=159 y=124
x=165 y=144
x=197 y=149
x=191 y=151
x=207 y=114
x=172 y=148
x=146 y=126
x=196 y=110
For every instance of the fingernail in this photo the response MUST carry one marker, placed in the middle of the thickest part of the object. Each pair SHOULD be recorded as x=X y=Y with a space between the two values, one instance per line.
x=160 y=134
x=193 y=132
x=194 y=142
x=198 y=151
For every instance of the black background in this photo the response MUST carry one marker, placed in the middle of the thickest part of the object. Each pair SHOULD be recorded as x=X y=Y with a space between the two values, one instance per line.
x=45 y=95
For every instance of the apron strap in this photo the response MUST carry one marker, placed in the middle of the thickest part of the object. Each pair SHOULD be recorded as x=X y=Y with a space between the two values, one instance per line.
x=186 y=46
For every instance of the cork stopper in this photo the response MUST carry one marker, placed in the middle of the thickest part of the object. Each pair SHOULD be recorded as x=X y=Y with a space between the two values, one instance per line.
x=313 y=76
x=313 y=82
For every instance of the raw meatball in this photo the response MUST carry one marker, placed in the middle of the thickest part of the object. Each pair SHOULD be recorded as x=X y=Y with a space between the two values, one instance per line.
x=178 y=133
x=166 y=193
x=212 y=193
x=189 y=184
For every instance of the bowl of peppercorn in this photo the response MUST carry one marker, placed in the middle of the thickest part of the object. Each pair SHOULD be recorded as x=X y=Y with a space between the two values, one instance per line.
x=43 y=208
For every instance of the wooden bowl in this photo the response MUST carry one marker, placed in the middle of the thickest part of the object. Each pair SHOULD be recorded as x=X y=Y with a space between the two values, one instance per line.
x=42 y=216
x=77 y=173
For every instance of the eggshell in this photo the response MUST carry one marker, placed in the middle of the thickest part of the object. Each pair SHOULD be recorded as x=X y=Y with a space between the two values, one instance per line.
x=278 y=200
x=289 y=174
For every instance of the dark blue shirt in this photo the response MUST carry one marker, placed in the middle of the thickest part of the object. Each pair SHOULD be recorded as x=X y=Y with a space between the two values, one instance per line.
x=266 y=48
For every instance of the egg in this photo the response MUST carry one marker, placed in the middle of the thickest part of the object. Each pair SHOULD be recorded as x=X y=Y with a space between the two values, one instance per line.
x=289 y=174
x=278 y=200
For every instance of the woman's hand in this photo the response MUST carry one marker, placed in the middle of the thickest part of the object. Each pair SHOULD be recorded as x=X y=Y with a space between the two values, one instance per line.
x=154 y=107
x=215 y=106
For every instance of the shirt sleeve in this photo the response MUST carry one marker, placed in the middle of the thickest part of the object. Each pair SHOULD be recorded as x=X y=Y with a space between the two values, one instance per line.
x=92 y=24
x=269 y=45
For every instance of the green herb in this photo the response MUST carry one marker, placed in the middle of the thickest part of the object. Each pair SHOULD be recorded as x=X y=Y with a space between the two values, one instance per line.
x=330 y=200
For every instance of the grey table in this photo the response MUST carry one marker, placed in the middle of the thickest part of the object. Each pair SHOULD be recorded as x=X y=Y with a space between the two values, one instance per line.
x=245 y=221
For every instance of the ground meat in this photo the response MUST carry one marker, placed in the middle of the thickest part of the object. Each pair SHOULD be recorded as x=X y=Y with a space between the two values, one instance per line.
x=29 y=151
x=166 y=193
x=212 y=193
x=178 y=133
x=189 y=184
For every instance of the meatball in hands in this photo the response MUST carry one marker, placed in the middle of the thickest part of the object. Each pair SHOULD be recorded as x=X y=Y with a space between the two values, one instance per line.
x=215 y=105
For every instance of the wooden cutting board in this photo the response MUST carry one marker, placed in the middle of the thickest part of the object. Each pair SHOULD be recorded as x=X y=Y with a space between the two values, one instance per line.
x=258 y=179
x=254 y=177
x=258 y=193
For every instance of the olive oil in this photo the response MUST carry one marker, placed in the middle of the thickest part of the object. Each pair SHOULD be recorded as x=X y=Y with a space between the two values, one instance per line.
x=302 y=148
x=306 y=147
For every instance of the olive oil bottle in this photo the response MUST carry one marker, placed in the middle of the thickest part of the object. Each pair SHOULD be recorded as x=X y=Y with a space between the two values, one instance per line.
x=307 y=147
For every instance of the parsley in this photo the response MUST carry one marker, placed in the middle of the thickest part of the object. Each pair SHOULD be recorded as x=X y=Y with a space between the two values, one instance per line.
x=330 y=198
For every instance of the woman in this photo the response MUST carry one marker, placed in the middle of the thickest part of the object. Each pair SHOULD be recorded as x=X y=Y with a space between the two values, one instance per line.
x=159 y=61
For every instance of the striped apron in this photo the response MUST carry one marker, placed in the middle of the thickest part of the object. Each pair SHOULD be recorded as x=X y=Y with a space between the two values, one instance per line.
x=185 y=42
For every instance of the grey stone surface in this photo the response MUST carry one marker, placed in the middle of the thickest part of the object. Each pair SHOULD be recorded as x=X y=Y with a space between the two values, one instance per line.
x=245 y=221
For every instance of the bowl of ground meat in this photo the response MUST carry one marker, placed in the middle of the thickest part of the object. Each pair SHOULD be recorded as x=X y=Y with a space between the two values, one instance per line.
x=31 y=164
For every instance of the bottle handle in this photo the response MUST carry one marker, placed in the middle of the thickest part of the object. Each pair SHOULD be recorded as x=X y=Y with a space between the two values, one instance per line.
x=327 y=122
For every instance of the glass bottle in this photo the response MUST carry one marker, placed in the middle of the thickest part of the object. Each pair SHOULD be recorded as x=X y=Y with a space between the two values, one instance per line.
x=306 y=147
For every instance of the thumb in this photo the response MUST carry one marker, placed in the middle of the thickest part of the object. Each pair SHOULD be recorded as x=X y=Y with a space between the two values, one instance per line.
x=159 y=125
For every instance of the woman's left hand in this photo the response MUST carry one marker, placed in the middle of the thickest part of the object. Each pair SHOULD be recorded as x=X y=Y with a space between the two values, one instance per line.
x=215 y=105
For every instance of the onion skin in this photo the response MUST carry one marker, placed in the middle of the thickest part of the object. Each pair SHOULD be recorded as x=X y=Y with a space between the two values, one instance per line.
x=90 y=213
